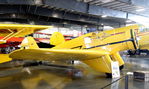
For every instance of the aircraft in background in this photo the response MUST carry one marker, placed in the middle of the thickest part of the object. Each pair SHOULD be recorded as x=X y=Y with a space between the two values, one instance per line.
x=11 y=35
x=142 y=33
x=8 y=31
x=96 y=49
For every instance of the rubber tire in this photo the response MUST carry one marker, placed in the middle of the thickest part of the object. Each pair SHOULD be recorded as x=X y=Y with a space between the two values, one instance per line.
x=108 y=75
x=121 y=67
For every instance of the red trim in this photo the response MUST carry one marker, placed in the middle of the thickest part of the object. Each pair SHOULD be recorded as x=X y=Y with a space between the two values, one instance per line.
x=14 y=39
x=10 y=44
x=117 y=33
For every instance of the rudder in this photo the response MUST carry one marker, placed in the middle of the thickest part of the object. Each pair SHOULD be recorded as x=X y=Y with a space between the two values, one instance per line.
x=29 y=43
x=56 y=38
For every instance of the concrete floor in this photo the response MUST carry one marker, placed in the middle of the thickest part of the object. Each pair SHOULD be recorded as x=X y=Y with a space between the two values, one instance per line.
x=48 y=78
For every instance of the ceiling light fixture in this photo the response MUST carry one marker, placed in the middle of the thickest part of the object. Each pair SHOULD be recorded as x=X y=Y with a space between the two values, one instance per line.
x=85 y=26
x=54 y=15
x=128 y=21
x=104 y=16
x=65 y=23
x=138 y=10
x=13 y=15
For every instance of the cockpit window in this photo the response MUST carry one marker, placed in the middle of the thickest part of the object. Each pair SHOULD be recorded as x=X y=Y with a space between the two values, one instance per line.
x=144 y=29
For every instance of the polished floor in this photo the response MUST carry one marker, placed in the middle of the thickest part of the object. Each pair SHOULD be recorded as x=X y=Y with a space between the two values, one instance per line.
x=53 y=78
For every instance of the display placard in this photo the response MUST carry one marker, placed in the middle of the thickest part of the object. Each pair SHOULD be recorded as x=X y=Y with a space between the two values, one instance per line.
x=115 y=69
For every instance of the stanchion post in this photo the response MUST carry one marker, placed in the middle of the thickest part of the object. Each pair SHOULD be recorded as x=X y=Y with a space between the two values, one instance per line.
x=126 y=82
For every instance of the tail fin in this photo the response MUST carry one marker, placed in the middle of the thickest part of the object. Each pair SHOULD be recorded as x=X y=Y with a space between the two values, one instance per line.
x=56 y=38
x=29 y=43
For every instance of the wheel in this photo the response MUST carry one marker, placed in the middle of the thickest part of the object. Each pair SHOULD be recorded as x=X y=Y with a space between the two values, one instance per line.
x=130 y=52
x=109 y=75
x=138 y=52
x=121 y=67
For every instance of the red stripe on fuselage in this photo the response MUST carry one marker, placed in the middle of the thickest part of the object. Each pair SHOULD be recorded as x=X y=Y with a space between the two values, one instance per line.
x=117 y=33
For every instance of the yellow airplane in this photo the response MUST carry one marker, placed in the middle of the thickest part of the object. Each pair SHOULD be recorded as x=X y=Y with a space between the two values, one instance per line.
x=8 y=31
x=143 y=40
x=96 y=49
x=18 y=30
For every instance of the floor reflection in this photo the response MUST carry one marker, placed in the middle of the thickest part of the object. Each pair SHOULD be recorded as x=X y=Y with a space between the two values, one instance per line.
x=116 y=84
x=38 y=79
x=48 y=78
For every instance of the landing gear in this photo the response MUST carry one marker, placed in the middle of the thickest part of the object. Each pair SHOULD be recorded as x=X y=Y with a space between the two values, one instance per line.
x=121 y=67
x=131 y=52
x=134 y=52
x=108 y=75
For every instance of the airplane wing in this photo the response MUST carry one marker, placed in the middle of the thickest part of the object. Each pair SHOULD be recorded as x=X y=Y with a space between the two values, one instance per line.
x=56 y=54
x=4 y=58
x=18 y=30
x=21 y=29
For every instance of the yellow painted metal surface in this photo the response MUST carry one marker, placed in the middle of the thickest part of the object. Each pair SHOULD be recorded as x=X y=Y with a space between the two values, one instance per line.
x=57 y=38
x=144 y=40
x=29 y=43
x=28 y=29
x=110 y=41
x=4 y=58
x=18 y=30
x=102 y=38
x=101 y=64
x=57 y=54
x=96 y=49
x=116 y=57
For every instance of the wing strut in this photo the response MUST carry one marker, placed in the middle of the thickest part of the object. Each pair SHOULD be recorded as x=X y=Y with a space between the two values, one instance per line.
x=12 y=34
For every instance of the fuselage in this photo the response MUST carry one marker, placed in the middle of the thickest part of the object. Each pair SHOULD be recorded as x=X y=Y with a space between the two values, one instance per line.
x=112 y=41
